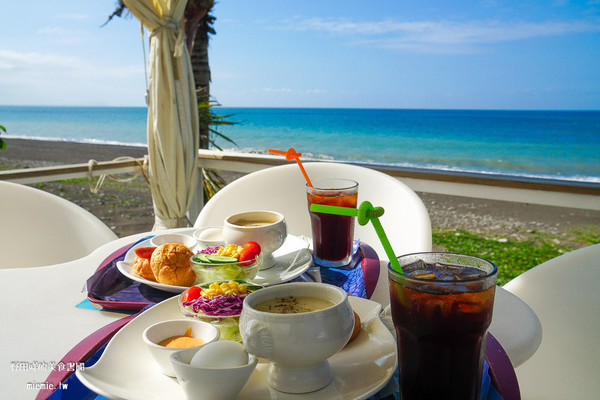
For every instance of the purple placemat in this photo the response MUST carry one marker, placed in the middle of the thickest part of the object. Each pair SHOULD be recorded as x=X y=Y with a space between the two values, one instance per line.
x=111 y=290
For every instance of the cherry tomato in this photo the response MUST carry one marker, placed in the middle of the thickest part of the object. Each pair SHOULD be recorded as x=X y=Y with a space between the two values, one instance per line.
x=250 y=251
x=144 y=252
x=191 y=294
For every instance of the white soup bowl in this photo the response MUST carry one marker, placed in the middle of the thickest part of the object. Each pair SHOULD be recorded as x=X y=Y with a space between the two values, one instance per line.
x=299 y=344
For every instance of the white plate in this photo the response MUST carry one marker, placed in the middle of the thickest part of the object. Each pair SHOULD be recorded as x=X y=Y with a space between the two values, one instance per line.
x=292 y=259
x=126 y=370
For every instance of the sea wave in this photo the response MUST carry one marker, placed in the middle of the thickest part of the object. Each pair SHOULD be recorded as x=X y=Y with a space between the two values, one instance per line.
x=433 y=167
x=310 y=156
x=89 y=141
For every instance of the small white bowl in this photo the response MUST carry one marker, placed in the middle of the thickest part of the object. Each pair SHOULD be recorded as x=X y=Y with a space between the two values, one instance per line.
x=209 y=236
x=174 y=327
x=163 y=238
x=210 y=383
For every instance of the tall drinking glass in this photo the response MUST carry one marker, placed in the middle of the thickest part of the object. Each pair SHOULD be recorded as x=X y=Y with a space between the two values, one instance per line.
x=442 y=308
x=332 y=234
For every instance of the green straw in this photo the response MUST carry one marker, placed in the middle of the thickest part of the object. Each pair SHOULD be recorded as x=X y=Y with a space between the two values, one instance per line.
x=363 y=214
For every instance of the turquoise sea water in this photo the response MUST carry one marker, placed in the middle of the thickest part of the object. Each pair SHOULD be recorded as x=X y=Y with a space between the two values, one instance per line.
x=548 y=144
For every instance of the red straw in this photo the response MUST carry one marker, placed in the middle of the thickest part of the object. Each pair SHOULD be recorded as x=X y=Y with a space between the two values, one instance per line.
x=292 y=155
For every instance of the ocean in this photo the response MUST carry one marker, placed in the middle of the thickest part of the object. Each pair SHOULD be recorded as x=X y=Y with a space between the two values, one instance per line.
x=561 y=145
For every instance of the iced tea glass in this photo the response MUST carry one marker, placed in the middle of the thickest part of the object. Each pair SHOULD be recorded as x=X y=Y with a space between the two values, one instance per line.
x=441 y=307
x=332 y=234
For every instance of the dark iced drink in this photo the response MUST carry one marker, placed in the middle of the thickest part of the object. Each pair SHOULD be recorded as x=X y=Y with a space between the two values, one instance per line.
x=442 y=307
x=332 y=234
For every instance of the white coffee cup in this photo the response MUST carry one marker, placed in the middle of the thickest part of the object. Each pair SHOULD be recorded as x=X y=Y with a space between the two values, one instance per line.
x=267 y=228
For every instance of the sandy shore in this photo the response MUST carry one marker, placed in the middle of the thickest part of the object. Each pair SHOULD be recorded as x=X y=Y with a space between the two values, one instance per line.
x=127 y=207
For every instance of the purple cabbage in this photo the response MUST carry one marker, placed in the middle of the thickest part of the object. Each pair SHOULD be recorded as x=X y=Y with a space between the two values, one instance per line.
x=210 y=250
x=217 y=306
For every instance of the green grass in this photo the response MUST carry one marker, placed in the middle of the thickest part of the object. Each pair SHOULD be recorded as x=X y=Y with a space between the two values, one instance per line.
x=587 y=234
x=511 y=257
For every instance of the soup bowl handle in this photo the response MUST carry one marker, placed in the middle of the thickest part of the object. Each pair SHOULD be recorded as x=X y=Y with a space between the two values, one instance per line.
x=257 y=338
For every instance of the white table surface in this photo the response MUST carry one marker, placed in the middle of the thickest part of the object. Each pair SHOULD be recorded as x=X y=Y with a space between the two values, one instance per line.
x=41 y=323
x=40 y=320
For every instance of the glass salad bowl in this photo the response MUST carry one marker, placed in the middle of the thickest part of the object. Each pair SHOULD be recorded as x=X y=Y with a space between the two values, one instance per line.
x=219 y=303
x=210 y=267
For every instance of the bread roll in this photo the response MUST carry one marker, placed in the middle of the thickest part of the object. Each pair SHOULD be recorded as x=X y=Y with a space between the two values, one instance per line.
x=170 y=264
x=141 y=267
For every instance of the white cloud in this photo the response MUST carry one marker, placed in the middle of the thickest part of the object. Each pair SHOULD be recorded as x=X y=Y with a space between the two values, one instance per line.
x=62 y=35
x=438 y=36
x=74 y=17
x=52 y=30
x=47 y=78
x=31 y=61
x=49 y=64
x=276 y=90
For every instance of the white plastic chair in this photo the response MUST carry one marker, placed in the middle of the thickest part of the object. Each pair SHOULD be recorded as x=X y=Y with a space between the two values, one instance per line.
x=283 y=188
x=39 y=228
x=564 y=293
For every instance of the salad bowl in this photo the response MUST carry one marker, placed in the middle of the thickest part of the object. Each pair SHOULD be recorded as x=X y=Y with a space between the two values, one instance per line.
x=221 y=310
x=209 y=271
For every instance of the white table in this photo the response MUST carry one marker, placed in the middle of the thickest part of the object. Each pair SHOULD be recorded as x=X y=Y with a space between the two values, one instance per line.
x=40 y=320
x=41 y=323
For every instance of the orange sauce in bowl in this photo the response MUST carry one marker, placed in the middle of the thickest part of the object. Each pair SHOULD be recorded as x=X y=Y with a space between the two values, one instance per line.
x=182 y=341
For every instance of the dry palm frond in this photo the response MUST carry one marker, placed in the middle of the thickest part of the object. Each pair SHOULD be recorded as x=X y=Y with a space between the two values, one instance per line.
x=213 y=182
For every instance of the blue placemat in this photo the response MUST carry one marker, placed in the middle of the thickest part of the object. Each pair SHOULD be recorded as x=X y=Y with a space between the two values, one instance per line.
x=72 y=388
x=350 y=277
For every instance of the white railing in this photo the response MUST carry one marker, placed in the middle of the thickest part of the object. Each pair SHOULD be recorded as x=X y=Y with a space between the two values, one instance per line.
x=496 y=187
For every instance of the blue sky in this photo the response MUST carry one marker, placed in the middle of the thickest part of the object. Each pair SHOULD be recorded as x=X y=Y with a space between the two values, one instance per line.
x=487 y=54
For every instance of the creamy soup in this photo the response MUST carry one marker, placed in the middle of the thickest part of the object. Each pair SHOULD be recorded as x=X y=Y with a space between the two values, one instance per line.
x=252 y=222
x=293 y=304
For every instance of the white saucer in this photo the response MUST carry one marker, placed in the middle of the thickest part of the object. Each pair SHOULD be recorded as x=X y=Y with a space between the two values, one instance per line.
x=292 y=259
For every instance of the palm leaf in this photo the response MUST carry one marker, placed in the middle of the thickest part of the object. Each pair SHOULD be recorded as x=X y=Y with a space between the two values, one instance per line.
x=213 y=182
x=2 y=142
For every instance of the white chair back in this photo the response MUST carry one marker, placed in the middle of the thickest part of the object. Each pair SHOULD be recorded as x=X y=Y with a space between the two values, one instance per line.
x=283 y=188
x=39 y=228
x=564 y=294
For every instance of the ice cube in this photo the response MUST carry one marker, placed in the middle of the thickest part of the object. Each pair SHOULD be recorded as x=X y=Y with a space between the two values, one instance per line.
x=422 y=274
x=415 y=266
x=470 y=273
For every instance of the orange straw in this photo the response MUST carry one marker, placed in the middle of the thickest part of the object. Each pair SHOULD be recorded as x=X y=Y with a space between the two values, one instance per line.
x=292 y=155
